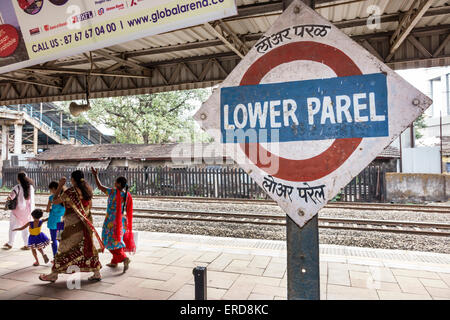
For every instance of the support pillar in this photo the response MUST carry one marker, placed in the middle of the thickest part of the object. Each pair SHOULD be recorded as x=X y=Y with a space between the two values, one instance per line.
x=5 y=141
x=303 y=274
x=18 y=130
x=35 y=140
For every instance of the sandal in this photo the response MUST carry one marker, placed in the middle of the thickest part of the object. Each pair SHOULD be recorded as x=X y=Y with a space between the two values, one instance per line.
x=44 y=277
x=94 y=278
x=126 y=264
x=6 y=246
x=112 y=265
x=35 y=264
x=25 y=248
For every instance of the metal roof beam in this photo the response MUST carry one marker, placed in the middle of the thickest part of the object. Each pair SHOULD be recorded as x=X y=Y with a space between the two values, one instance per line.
x=407 y=24
x=391 y=17
x=84 y=72
x=441 y=46
x=227 y=36
x=104 y=53
x=43 y=84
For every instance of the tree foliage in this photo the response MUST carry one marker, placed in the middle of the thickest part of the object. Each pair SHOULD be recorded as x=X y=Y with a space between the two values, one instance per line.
x=418 y=125
x=153 y=118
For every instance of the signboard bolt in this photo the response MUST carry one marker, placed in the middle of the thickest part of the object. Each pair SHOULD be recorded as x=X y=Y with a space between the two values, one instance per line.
x=416 y=102
x=300 y=212
x=203 y=116
x=296 y=10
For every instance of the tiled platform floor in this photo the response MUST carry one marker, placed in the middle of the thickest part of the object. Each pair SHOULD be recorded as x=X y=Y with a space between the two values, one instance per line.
x=237 y=269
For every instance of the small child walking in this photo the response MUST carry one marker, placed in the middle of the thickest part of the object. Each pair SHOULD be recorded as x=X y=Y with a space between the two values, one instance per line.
x=56 y=211
x=37 y=239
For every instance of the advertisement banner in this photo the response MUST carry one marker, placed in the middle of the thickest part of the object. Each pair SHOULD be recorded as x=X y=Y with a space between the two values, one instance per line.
x=37 y=31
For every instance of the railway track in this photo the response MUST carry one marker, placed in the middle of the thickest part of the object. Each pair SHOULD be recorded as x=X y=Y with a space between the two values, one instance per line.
x=404 y=227
x=331 y=205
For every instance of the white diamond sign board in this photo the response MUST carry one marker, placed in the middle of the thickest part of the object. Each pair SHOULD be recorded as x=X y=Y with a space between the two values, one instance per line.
x=306 y=110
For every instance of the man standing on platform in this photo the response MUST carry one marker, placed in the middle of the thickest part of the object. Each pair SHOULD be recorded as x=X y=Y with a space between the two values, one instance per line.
x=117 y=232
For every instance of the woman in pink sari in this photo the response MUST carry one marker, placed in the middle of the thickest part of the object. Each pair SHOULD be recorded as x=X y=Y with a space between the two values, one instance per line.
x=21 y=215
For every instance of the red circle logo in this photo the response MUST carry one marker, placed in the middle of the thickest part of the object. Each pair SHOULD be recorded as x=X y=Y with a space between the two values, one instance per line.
x=9 y=40
x=328 y=161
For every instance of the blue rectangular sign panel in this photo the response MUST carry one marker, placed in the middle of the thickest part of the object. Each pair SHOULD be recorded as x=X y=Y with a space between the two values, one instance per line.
x=342 y=107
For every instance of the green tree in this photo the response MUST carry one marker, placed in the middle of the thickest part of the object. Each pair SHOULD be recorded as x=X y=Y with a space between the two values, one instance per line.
x=419 y=124
x=153 y=118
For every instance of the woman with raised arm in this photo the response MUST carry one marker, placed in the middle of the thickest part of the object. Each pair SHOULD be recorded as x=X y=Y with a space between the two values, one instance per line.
x=117 y=233
x=24 y=192
x=80 y=242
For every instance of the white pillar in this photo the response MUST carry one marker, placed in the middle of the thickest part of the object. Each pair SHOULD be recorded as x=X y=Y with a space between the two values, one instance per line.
x=18 y=128
x=5 y=136
x=35 y=140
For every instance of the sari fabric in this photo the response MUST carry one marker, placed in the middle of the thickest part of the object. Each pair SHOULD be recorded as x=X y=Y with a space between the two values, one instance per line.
x=80 y=242
x=111 y=225
x=117 y=230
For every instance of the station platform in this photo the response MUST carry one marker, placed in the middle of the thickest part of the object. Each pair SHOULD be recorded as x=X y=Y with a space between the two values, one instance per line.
x=238 y=269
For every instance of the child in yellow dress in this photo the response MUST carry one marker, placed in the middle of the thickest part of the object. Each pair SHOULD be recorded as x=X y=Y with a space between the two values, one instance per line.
x=37 y=239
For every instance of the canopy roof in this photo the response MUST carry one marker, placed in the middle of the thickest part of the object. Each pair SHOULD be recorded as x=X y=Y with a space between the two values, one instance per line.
x=412 y=34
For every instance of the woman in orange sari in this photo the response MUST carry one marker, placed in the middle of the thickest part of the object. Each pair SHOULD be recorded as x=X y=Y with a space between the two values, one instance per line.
x=80 y=242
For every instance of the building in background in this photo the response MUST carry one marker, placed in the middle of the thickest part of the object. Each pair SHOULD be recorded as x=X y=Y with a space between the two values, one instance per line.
x=423 y=155
x=439 y=91
x=29 y=129
x=175 y=155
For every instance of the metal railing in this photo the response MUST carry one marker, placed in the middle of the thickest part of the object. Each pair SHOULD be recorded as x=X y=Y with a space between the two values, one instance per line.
x=368 y=186
x=51 y=125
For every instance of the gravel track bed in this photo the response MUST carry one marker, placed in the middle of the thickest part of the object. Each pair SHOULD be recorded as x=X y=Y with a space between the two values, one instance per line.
x=383 y=240
x=270 y=209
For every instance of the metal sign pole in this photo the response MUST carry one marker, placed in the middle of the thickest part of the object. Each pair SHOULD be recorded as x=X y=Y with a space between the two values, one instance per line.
x=303 y=275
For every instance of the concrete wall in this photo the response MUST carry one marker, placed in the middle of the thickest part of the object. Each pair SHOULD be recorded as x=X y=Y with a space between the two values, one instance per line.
x=416 y=187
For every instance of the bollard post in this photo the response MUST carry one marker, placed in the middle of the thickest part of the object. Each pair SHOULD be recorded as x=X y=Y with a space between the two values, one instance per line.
x=200 y=283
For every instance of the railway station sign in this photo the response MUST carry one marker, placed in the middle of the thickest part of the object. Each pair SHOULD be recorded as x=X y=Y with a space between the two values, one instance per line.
x=37 y=31
x=307 y=109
